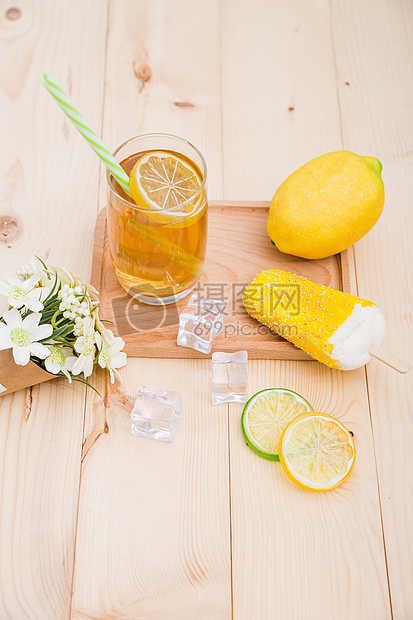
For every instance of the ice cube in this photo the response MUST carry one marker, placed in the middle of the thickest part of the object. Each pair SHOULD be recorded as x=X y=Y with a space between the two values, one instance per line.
x=229 y=377
x=156 y=413
x=200 y=322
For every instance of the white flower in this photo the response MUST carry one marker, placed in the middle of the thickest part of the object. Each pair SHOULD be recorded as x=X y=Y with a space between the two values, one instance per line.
x=86 y=347
x=78 y=329
x=110 y=355
x=23 y=293
x=25 y=272
x=60 y=359
x=73 y=281
x=22 y=335
x=106 y=333
x=76 y=302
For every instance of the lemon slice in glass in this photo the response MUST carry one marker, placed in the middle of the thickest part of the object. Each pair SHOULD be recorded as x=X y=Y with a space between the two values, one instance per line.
x=317 y=452
x=169 y=187
x=266 y=415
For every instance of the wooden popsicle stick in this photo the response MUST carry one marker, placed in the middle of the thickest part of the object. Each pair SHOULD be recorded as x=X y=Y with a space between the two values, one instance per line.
x=391 y=360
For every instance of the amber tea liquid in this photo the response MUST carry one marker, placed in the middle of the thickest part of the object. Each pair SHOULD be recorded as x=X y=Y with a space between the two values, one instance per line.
x=156 y=256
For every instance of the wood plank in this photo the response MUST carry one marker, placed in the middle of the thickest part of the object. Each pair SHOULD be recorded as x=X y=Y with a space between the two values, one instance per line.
x=276 y=101
x=40 y=443
x=295 y=553
x=312 y=555
x=153 y=532
x=48 y=183
x=375 y=58
x=231 y=263
x=165 y=86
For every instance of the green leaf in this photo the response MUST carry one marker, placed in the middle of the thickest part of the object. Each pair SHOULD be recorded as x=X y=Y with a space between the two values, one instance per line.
x=62 y=331
x=40 y=261
x=52 y=303
x=80 y=380
x=54 y=317
x=55 y=289
x=66 y=343
x=47 y=317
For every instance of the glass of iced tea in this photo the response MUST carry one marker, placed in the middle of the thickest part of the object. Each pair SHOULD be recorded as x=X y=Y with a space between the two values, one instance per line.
x=157 y=236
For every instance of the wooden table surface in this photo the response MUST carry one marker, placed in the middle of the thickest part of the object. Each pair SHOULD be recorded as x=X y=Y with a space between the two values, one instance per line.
x=96 y=524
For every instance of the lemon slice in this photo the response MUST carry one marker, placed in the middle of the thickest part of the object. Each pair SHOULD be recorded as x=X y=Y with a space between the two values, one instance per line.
x=317 y=452
x=266 y=415
x=164 y=183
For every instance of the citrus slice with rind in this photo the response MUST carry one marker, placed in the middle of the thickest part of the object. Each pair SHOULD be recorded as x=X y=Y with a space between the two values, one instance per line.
x=169 y=187
x=266 y=415
x=317 y=452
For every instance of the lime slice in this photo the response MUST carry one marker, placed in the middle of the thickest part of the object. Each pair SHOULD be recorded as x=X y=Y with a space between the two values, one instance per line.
x=266 y=415
x=317 y=452
x=165 y=184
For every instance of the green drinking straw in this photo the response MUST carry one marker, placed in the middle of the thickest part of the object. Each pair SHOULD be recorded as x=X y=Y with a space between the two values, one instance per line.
x=87 y=132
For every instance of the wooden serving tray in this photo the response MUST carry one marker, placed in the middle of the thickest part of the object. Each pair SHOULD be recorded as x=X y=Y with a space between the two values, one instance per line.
x=238 y=249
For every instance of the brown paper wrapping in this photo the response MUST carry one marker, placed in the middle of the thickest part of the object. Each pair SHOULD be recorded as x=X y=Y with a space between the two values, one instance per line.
x=14 y=377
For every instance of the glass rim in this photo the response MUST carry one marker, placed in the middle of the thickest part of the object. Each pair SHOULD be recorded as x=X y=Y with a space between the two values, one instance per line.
x=133 y=205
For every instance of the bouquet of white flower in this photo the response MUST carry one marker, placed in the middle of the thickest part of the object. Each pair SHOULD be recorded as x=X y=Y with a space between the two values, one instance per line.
x=53 y=323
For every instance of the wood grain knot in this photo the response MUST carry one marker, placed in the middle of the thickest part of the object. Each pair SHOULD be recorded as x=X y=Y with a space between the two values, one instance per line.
x=347 y=83
x=10 y=229
x=13 y=13
x=291 y=108
x=143 y=72
x=184 y=104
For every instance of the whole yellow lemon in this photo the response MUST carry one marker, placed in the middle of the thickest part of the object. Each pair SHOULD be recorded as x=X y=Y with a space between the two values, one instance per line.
x=326 y=205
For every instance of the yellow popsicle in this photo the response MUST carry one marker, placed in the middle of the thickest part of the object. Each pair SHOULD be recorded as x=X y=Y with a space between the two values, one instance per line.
x=333 y=327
